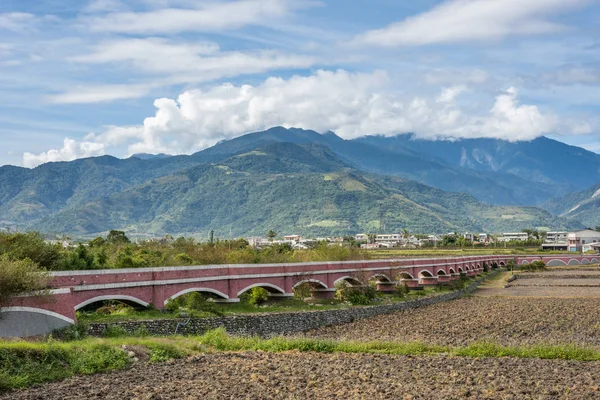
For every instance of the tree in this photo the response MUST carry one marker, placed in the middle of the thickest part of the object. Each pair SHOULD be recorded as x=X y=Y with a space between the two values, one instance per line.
x=271 y=234
x=117 y=237
x=20 y=276
x=597 y=228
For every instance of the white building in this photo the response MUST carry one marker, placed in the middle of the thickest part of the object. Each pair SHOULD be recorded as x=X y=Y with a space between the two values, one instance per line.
x=292 y=238
x=469 y=236
x=581 y=240
x=557 y=237
x=361 y=237
x=521 y=236
x=388 y=238
x=483 y=237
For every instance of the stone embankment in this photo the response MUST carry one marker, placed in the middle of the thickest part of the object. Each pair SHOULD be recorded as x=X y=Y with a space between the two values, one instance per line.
x=273 y=324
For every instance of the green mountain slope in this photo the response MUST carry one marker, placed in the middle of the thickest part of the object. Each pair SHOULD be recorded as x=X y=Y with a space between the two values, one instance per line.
x=580 y=206
x=291 y=188
x=26 y=195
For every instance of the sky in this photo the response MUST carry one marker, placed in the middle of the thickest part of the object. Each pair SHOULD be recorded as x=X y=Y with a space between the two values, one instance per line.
x=81 y=78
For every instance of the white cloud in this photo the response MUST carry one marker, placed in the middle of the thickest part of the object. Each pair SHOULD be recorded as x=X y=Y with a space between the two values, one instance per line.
x=471 y=20
x=206 y=17
x=449 y=94
x=350 y=104
x=194 y=62
x=101 y=93
x=169 y=63
x=16 y=21
x=71 y=150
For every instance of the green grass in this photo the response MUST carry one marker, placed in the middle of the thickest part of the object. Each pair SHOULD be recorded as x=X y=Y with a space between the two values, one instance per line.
x=24 y=364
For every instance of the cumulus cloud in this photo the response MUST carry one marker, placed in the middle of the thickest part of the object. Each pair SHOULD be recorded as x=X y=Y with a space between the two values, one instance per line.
x=70 y=151
x=206 y=17
x=350 y=104
x=471 y=20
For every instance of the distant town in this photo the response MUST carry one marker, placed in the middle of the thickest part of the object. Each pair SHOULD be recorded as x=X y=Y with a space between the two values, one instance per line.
x=579 y=241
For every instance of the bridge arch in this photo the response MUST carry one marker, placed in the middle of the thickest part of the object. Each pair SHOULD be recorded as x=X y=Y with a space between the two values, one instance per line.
x=441 y=272
x=594 y=260
x=502 y=264
x=380 y=275
x=30 y=321
x=352 y=281
x=585 y=261
x=556 y=263
x=200 y=290
x=425 y=273
x=268 y=286
x=313 y=282
x=460 y=270
x=573 y=261
x=121 y=297
x=451 y=271
x=404 y=275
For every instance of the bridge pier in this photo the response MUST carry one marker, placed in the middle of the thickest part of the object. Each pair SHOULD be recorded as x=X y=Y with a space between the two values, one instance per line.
x=323 y=294
x=412 y=284
x=280 y=296
x=444 y=278
x=429 y=280
x=386 y=287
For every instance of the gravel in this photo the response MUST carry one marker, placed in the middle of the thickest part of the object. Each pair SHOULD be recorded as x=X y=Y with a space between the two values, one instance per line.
x=335 y=376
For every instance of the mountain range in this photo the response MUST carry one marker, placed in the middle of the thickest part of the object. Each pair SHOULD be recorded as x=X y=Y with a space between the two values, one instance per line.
x=295 y=180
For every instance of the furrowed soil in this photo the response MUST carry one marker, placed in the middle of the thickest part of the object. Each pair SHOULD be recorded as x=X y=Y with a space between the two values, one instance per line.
x=536 y=310
x=333 y=376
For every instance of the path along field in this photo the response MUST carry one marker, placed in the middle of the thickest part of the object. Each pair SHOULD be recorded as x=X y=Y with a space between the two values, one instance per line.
x=519 y=315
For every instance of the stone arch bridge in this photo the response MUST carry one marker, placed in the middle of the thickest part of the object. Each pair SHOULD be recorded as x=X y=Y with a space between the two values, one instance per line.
x=73 y=290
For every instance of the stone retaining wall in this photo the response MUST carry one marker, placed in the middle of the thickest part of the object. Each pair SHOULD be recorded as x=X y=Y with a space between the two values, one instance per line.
x=273 y=324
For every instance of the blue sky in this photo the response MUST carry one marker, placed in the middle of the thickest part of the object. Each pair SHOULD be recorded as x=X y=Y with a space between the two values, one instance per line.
x=85 y=78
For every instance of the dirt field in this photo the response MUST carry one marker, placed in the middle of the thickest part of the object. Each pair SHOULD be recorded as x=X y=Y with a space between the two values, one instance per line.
x=337 y=376
x=530 y=311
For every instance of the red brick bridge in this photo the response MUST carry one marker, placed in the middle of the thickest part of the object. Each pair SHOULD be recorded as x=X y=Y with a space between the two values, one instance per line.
x=73 y=290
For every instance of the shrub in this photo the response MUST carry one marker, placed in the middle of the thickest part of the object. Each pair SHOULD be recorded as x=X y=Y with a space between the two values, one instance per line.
x=258 y=296
x=358 y=295
x=533 y=266
x=164 y=352
x=72 y=332
x=20 y=276
x=184 y=258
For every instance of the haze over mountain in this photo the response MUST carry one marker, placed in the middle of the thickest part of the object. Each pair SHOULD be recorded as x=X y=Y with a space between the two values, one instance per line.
x=292 y=180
